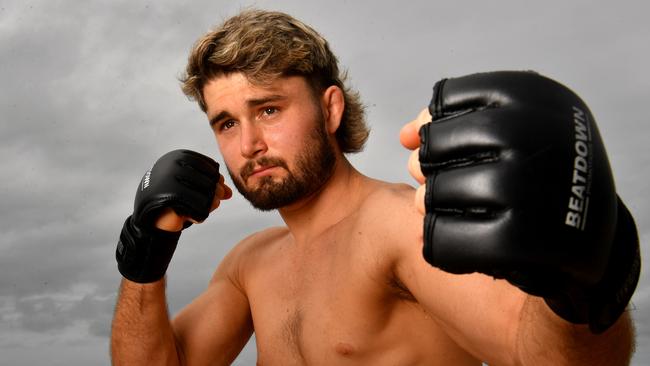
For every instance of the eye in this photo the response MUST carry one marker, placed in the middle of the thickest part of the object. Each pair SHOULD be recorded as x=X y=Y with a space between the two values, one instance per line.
x=226 y=125
x=269 y=110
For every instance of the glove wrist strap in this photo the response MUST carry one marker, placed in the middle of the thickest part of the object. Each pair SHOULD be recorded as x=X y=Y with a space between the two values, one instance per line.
x=143 y=254
x=607 y=301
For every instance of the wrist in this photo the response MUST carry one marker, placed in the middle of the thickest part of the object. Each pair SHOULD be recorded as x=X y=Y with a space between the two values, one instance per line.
x=601 y=305
x=544 y=338
x=143 y=254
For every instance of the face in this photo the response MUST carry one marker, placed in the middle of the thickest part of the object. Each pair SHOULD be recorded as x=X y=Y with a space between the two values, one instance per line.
x=273 y=138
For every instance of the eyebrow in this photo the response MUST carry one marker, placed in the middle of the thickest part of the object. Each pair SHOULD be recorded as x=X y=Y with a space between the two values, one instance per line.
x=254 y=102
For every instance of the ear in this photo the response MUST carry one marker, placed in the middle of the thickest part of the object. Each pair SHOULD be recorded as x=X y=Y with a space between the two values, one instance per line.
x=333 y=104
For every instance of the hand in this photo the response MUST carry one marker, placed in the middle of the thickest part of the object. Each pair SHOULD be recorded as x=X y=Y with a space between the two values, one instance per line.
x=518 y=186
x=182 y=188
x=169 y=220
x=410 y=138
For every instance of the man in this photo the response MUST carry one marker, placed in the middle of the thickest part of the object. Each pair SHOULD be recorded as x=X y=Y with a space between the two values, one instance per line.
x=345 y=282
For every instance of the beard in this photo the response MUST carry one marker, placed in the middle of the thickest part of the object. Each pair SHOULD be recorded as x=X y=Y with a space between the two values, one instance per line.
x=314 y=166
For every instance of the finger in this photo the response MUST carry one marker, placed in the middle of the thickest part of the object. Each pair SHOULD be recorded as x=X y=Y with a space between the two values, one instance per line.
x=409 y=134
x=414 y=166
x=201 y=163
x=479 y=190
x=215 y=204
x=169 y=220
x=216 y=201
x=467 y=138
x=227 y=192
x=223 y=192
x=450 y=243
x=419 y=199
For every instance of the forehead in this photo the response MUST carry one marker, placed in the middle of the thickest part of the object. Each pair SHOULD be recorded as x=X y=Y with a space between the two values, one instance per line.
x=235 y=89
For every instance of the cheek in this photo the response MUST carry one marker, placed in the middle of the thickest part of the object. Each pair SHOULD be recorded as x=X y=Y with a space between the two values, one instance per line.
x=279 y=141
x=287 y=147
x=230 y=153
x=288 y=136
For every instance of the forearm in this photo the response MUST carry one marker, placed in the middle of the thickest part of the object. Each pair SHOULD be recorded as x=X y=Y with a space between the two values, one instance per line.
x=141 y=330
x=545 y=339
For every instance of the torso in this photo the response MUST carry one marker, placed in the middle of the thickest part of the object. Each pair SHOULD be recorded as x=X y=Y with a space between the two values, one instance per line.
x=337 y=300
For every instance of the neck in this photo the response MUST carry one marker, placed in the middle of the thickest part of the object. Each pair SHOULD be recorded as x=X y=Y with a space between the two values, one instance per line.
x=338 y=198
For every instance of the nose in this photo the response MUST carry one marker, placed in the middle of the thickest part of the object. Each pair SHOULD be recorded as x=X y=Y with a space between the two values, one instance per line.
x=252 y=140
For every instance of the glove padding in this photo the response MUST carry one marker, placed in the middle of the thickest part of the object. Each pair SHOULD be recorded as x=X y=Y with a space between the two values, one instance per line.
x=518 y=186
x=183 y=180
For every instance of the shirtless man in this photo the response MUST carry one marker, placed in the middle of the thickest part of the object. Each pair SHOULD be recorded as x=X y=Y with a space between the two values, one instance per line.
x=345 y=282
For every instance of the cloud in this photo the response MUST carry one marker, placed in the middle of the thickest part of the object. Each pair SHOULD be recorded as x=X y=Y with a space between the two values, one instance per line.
x=56 y=314
x=90 y=99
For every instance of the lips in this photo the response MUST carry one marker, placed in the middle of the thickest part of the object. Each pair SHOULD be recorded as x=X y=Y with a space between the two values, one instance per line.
x=261 y=169
x=258 y=172
x=260 y=166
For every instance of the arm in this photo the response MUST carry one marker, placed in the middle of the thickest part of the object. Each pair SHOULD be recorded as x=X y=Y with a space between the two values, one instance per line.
x=500 y=324
x=141 y=328
x=211 y=330
x=214 y=328
x=181 y=188
x=543 y=338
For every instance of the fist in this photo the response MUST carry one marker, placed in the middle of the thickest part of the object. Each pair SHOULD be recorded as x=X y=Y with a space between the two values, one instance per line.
x=169 y=220
x=517 y=185
x=182 y=188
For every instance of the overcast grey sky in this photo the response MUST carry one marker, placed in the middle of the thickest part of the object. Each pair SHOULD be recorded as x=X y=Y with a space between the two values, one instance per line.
x=90 y=98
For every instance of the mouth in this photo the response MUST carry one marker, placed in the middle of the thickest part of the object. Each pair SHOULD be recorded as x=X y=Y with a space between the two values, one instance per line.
x=262 y=167
x=261 y=170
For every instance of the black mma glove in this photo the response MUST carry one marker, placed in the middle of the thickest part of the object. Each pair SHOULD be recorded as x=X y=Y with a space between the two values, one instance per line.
x=518 y=186
x=183 y=180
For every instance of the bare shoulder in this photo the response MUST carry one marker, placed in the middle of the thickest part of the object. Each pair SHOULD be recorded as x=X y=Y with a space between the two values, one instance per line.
x=390 y=208
x=389 y=190
x=395 y=226
x=248 y=254
x=259 y=242
x=390 y=219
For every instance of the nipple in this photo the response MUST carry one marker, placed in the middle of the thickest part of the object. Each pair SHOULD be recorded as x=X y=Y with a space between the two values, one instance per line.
x=344 y=349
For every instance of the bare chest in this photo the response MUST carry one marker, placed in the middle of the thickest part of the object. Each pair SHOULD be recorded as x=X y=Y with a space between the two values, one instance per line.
x=311 y=298
x=338 y=303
